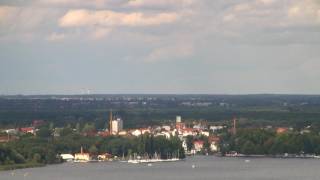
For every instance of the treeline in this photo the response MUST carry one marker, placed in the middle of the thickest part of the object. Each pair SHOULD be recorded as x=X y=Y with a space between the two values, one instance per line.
x=137 y=110
x=268 y=142
x=137 y=117
x=44 y=148
x=10 y=156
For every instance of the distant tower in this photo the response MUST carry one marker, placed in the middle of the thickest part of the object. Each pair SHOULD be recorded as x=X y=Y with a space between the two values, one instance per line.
x=234 y=129
x=110 y=121
x=117 y=125
x=178 y=119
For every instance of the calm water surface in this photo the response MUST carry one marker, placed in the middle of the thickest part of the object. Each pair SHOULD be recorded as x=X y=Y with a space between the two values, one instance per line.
x=206 y=167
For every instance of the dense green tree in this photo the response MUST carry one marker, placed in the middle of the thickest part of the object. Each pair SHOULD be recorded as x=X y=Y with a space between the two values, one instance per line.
x=44 y=132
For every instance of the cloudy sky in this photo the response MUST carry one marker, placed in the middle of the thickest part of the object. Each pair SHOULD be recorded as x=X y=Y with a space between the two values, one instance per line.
x=159 y=46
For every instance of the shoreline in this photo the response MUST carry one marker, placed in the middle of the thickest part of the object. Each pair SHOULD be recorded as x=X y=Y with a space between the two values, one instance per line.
x=34 y=165
x=285 y=156
x=20 y=166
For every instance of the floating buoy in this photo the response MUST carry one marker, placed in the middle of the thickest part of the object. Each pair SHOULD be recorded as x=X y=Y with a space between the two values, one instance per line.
x=149 y=164
x=247 y=161
x=193 y=166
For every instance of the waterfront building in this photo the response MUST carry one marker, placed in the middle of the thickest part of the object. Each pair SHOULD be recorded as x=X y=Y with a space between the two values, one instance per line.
x=184 y=145
x=82 y=157
x=104 y=157
x=214 y=143
x=67 y=157
x=198 y=145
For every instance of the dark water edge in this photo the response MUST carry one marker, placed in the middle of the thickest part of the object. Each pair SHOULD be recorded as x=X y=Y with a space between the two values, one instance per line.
x=20 y=166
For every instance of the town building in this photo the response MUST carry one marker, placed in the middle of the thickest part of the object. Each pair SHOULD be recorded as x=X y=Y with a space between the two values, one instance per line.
x=104 y=157
x=67 y=157
x=28 y=130
x=198 y=145
x=214 y=143
x=116 y=126
x=82 y=157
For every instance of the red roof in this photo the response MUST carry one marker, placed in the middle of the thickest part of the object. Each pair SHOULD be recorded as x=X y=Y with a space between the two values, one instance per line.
x=198 y=142
x=213 y=139
x=282 y=130
x=26 y=129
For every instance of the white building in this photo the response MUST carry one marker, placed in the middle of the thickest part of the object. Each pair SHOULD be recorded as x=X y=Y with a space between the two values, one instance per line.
x=67 y=157
x=178 y=119
x=215 y=128
x=117 y=125
x=167 y=128
x=184 y=145
x=214 y=147
x=138 y=132
x=205 y=133
x=164 y=133
x=11 y=131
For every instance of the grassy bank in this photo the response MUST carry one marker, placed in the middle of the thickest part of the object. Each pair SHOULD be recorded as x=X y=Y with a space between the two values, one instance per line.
x=20 y=166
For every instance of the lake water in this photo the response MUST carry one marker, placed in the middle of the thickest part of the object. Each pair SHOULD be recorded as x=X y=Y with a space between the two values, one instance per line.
x=205 y=168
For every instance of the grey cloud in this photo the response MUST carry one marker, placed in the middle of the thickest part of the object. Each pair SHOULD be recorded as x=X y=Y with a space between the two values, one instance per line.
x=222 y=46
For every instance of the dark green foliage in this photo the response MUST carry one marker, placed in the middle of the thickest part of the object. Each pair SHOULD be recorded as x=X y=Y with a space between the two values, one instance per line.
x=10 y=156
x=259 y=141
x=44 y=132
x=44 y=150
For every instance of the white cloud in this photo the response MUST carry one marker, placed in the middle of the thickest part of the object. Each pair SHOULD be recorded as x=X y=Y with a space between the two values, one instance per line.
x=81 y=17
x=78 y=3
x=305 y=12
x=161 y=3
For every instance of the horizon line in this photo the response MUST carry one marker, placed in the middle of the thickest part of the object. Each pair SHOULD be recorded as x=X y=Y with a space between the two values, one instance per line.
x=212 y=94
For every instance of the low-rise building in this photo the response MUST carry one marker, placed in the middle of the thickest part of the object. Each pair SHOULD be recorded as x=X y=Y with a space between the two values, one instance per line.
x=138 y=132
x=82 y=157
x=28 y=130
x=122 y=133
x=164 y=133
x=104 y=157
x=205 y=133
x=214 y=143
x=198 y=145
x=281 y=130
x=67 y=157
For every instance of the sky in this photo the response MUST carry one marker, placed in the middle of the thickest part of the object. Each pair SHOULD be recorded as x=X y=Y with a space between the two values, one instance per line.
x=159 y=46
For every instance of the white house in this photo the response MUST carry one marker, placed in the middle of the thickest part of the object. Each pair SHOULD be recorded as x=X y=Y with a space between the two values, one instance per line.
x=67 y=157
